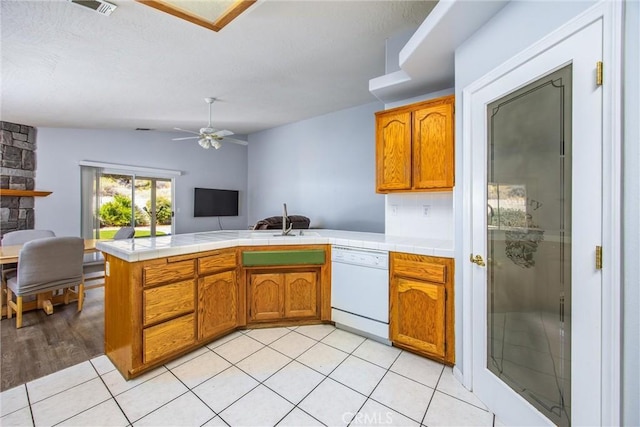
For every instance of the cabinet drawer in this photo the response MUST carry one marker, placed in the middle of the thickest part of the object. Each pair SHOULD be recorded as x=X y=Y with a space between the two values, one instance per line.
x=169 y=272
x=168 y=337
x=217 y=262
x=420 y=268
x=168 y=301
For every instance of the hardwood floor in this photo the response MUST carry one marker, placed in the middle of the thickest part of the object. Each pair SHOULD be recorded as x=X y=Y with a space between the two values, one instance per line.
x=46 y=344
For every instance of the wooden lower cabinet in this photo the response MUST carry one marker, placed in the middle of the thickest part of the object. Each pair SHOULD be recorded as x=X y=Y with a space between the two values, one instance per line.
x=160 y=309
x=266 y=296
x=217 y=304
x=168 y=301
x=421 y=305
x=418 y=315
x=301 y=294
x=283 y=295
x=168 y=337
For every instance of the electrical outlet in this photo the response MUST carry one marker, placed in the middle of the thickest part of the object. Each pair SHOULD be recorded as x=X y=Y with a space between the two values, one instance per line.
x=426 y=210
x=394 y=210
x=107 y=269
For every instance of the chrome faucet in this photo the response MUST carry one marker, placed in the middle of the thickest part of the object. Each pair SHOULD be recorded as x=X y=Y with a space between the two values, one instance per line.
x=285 y=230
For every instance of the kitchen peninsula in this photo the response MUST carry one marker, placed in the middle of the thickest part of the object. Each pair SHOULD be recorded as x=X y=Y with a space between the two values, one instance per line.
x=166 y=296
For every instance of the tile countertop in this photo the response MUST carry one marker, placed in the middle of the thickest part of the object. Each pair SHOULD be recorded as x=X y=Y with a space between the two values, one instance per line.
x=141 y=249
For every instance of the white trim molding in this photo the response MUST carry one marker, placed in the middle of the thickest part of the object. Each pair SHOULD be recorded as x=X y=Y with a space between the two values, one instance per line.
x=128 y=168
x=611 y=13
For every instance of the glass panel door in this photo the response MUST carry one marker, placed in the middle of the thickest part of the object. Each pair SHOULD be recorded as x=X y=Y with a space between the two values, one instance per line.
x=153 y=199
x=127 y=199
x=529 y=243
x=115 y=206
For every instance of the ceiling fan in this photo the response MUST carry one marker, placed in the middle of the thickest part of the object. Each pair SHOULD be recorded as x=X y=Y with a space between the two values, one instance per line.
x=209 y=137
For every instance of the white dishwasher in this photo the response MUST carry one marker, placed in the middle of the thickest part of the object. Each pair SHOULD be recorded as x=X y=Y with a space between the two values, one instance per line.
x=360 y=291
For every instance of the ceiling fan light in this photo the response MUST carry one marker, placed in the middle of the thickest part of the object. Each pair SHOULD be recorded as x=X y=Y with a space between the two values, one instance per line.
x=204 y=143
x=216 y=144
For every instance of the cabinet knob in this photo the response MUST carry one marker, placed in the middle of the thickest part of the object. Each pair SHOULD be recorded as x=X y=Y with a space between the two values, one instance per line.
x=477 y=260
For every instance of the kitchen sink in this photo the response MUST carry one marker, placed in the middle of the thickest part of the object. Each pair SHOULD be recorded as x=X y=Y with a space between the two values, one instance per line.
x=294 y=233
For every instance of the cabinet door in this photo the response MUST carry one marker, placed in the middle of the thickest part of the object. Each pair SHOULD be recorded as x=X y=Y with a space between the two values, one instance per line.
x=217 y=304
x=266 y=296
x=433 y=147
x=418 y=315
x=301 y=294
x=393 y=151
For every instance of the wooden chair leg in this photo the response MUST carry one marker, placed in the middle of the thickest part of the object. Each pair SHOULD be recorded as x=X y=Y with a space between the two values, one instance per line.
x=80 y=296
x=9 y=303
x=19 y=312
x=3 y=291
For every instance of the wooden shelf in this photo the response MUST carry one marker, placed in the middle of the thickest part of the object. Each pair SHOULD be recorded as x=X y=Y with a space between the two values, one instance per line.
x=8 y=192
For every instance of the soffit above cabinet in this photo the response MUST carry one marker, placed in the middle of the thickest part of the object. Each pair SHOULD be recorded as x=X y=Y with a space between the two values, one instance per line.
x=427 y=59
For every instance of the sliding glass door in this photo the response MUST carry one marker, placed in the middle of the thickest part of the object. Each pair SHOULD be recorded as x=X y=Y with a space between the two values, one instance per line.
x=112 y=199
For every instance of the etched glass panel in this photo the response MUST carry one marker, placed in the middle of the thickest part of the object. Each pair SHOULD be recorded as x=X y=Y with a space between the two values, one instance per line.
x=529 y=243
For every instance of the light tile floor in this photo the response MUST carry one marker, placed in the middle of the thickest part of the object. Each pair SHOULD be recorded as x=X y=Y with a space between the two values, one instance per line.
x=303 y=376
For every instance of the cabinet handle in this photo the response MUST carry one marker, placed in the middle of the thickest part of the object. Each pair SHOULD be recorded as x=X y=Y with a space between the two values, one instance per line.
x=477 y=260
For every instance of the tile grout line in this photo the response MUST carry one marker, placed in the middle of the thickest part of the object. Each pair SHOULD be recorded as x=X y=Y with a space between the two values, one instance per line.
x=291 y=361
x=262 y=382
x=33 y=420
x=97 y=404
x=234 y=365
x=435 y=389
x=58 y=393
x=376 y=386
x=385 y=374
x=328 y=375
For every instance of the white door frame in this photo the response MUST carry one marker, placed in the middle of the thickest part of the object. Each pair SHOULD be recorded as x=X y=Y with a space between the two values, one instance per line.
x=611 y=14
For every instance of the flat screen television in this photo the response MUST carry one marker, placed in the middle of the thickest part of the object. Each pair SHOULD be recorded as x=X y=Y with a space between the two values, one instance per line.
x=212 y=202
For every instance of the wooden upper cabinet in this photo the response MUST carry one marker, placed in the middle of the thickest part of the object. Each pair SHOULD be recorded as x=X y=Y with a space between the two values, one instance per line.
x=393 y=151
x=415 y=147
x=433 y=147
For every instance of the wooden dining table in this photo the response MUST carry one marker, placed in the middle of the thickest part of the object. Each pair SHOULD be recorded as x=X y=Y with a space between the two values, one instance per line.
x=10 y=254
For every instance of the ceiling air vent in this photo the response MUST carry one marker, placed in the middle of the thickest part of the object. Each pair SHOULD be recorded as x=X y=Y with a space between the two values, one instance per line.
x=102 y=7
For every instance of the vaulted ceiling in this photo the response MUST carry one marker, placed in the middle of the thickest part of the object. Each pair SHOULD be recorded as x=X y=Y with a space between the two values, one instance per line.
x=64 y=65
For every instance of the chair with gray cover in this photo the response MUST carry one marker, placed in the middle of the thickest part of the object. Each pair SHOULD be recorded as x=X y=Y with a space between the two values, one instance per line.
x=44 y=265
x=93 y=263
x=18 y=237
x=21 y=237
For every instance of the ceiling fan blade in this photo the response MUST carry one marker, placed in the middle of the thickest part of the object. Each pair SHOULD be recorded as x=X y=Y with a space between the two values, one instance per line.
x=223 y=133
x=186 y=137
x=236 y=141
x=185 y=130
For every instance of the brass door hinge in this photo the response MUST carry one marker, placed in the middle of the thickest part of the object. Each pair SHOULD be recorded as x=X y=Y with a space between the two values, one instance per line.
x=599 y=73
x=598 y=257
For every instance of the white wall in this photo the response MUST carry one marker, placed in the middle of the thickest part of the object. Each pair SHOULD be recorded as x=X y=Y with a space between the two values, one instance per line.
x=323 y=168
x=515 y=27
x=60 y=150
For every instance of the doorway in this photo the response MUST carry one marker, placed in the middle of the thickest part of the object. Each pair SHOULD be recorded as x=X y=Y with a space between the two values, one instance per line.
x=112 y=199
x=538 y=325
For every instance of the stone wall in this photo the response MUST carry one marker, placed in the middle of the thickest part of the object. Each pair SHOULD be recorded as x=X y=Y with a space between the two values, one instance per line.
x=17 y=171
